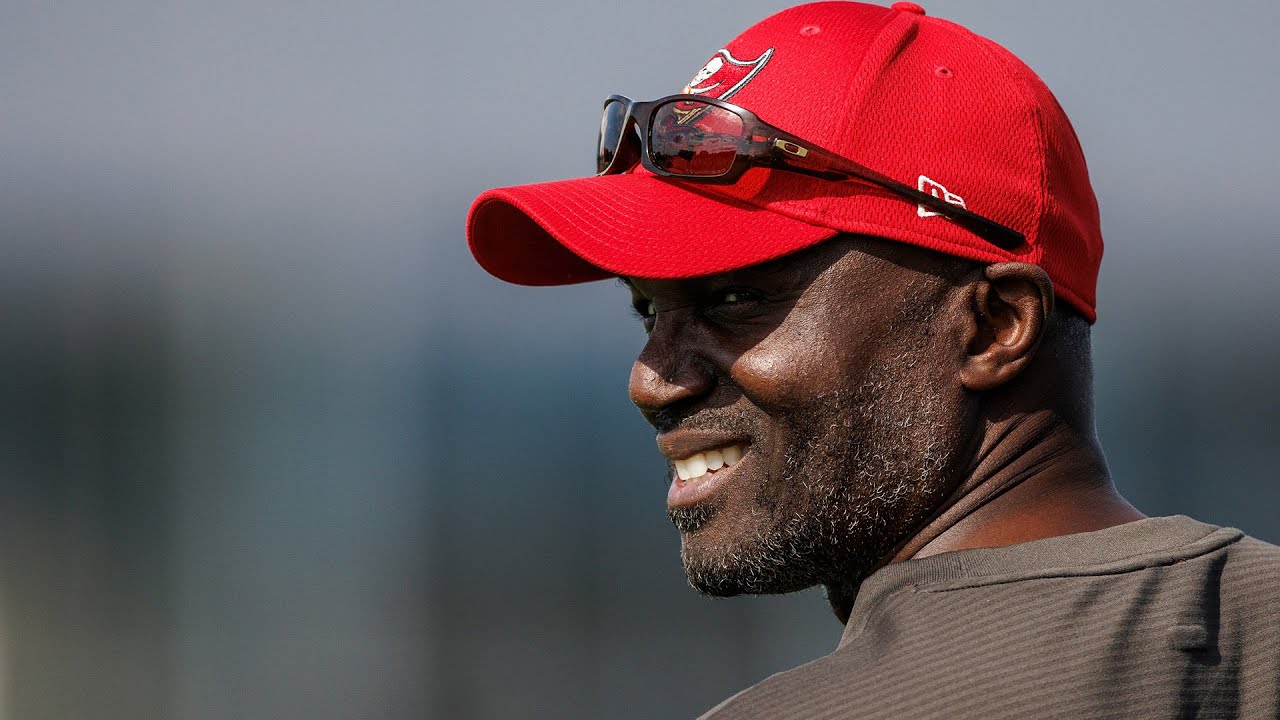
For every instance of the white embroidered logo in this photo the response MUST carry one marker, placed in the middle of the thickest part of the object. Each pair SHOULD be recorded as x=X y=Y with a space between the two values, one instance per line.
x=936 y=189
x=724 y=74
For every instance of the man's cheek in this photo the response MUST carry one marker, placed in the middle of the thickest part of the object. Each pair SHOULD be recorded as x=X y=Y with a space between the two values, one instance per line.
x=786 y=380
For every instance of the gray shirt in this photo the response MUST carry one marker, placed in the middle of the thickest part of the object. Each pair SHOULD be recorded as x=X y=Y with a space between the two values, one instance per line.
x=1160 y=618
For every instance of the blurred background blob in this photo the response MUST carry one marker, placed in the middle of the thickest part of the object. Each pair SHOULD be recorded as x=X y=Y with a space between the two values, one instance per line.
x=274 y=447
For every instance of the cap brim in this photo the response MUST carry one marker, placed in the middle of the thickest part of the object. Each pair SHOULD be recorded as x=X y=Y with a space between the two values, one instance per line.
x=571 y=231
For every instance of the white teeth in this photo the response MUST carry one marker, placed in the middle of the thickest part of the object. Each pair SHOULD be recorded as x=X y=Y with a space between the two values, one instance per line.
x=696 y=466
x=732 y=455
x=715 y=460
x=682 y=470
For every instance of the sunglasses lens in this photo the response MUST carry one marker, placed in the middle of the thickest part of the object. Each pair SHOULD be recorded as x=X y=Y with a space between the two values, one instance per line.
x=612 y=124
x=694 y=138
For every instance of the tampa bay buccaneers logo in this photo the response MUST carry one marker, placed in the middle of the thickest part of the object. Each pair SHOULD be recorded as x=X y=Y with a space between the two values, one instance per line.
x=724 y=75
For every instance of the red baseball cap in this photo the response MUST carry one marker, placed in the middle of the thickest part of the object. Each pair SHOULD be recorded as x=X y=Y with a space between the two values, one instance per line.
x=917 y=98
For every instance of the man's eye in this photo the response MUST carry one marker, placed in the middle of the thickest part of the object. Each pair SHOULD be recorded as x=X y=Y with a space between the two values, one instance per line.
x=644 y=309
x=738 y=297
x=648 y=313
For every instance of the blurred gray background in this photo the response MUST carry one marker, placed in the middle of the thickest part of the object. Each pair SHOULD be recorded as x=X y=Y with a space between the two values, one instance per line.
x=273 y=447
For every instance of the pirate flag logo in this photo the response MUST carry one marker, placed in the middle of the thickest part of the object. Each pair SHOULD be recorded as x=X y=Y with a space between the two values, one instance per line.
x=724 y=75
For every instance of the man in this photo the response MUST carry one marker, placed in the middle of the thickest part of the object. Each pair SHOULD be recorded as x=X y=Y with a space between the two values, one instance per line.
x=864 y=246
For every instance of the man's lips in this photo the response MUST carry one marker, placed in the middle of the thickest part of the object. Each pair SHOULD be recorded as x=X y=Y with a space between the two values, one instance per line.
x=683 y=444
x=702 y=462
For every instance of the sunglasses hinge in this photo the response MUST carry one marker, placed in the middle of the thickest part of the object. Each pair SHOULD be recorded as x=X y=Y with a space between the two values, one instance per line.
x=790 y=148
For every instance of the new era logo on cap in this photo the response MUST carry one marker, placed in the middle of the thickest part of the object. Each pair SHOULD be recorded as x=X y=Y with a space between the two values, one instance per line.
x=935 y=189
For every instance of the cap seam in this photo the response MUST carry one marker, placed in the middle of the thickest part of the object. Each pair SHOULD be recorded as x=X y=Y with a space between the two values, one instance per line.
x=855 y=112
x=1061 y=287
x=1037 y=127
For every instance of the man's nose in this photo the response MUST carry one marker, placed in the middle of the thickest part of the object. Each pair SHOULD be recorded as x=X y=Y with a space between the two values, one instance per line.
x=668 y=371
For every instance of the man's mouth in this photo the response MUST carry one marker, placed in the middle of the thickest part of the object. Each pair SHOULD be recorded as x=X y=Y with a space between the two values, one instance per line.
x=699 y=476
x=699 y=465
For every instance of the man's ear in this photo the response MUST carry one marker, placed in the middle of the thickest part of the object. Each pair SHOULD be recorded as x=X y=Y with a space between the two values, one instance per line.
x=1009 y=312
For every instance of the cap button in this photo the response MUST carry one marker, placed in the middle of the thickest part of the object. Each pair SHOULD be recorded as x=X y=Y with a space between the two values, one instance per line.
x=908 y=7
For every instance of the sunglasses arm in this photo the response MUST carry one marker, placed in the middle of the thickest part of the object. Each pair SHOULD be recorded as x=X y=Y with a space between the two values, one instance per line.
x=793 y=154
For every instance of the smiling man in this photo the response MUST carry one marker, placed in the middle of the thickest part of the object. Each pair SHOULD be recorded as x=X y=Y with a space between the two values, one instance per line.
x=867 y=284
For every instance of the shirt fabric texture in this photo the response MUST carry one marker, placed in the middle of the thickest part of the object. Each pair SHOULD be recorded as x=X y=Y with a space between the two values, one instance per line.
x=1159 y=618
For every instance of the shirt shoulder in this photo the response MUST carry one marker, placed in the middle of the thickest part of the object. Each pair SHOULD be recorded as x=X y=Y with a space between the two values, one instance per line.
x=1102 y=626
x=1258 y=555
x=1250 y=584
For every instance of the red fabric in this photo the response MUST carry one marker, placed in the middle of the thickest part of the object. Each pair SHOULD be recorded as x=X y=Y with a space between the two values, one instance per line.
x=893 y=89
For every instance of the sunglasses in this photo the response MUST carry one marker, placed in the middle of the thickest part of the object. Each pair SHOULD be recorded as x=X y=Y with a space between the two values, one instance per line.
x=711 y=141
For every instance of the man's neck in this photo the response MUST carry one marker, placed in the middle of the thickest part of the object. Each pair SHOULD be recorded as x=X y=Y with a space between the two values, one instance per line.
x=1034 y=477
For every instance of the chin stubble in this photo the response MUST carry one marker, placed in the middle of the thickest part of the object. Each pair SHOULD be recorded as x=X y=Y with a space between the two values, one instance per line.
x=871 y=465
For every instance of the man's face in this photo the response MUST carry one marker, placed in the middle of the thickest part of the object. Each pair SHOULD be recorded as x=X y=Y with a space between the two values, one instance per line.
x=822 y=371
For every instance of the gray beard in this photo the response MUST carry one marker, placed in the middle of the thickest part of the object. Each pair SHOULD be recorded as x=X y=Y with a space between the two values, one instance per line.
x=872 y=466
